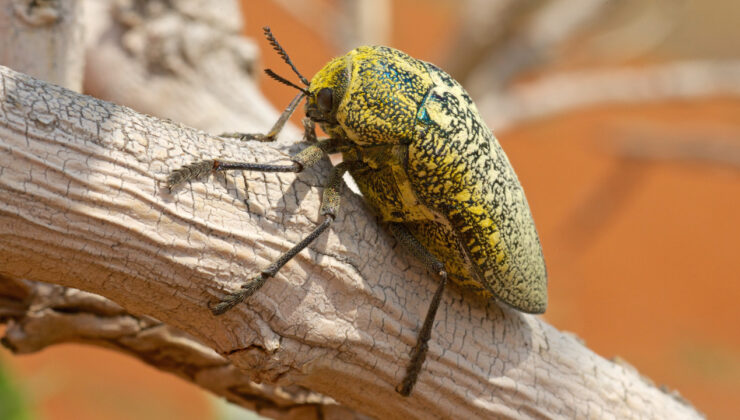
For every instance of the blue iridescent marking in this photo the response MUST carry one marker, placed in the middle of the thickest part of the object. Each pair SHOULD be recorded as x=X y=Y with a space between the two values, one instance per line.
x=390 y=72
x=422 y=115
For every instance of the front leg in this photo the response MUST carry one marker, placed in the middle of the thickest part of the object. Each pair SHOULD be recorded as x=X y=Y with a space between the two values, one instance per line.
x=276 y=128
x=300 y=161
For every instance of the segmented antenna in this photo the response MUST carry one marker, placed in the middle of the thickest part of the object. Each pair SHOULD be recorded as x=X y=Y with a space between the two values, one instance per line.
x=285 y=81
x=283 y=54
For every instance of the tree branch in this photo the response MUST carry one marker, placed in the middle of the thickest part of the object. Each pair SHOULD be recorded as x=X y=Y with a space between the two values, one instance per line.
x=187 y=61
x=206 y=57
x=85 y=206
x=53 y=30
x=568 y=91
x=502 y=40
x=44 y=315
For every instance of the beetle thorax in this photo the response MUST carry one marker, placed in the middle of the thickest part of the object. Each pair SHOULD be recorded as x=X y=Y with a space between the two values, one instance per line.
x=375 y=96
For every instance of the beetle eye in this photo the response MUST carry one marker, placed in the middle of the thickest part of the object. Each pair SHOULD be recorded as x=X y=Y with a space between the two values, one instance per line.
x=324 y=100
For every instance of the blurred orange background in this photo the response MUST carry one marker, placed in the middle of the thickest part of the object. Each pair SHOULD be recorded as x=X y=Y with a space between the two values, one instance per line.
x=637 y=205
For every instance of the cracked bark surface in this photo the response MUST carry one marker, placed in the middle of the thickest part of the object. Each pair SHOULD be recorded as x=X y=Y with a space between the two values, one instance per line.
x=85 y=206
x=40 y=315
x=207 y=68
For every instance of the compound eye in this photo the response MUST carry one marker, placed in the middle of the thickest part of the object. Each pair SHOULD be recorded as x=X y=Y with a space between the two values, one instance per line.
x=324 y=100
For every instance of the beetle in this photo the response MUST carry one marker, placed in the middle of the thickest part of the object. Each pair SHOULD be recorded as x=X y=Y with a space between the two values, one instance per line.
x=426 y=164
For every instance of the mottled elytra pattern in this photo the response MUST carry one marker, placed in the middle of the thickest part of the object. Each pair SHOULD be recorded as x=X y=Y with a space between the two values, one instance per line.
x=431 y=163
x=457 y=166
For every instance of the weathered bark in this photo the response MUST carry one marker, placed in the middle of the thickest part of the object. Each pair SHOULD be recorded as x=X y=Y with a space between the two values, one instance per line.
x=129 y=47
x=84 y=205
x=41 y=315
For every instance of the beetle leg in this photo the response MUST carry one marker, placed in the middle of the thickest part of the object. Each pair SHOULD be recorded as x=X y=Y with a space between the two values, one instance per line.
x=256 y=282
x=303 y=159
x=276 y=128
x=419 y=352
x=329 y=207
x=203 y=167
x=309 y=130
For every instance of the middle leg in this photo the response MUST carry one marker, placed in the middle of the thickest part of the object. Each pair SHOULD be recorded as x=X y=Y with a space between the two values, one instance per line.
x=329 y=206
x=419 y=352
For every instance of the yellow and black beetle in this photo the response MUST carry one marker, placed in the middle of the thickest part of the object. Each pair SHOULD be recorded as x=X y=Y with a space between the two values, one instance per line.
x=426 y=163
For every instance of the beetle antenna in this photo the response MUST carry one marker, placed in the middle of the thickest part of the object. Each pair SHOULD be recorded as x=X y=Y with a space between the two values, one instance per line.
x=283 y=54
x=285 y=81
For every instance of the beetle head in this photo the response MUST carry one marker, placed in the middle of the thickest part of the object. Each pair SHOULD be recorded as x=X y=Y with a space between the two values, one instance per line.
x=326 y=92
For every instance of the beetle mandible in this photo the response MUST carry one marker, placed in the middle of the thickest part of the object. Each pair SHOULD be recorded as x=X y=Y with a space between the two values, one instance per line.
x=426 y=163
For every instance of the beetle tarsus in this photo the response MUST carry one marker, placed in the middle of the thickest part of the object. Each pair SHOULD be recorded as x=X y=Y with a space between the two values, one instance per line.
x=188 y=172
x=239 y=296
